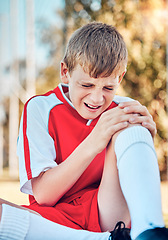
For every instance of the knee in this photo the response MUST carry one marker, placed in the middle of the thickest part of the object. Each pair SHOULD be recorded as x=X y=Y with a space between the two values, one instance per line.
x=117 y=133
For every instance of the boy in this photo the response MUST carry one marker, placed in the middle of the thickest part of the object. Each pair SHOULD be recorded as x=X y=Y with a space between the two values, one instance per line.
x=86 y=156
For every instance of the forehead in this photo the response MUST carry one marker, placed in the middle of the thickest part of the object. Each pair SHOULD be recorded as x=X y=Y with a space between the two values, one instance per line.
x=80 y=75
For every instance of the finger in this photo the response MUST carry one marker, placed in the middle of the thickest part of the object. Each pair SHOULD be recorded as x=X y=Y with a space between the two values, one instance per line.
x=116 y=114
x=129 y=103
x=117 y=127
x=139 y=119
x=124 y=118
x=145 y=122
x=142 y=110
x=132 y=106
x=136 y=107
x=150 y=127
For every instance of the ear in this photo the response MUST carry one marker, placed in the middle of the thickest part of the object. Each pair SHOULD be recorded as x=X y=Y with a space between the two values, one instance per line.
x=64 y=73
x=121 y=77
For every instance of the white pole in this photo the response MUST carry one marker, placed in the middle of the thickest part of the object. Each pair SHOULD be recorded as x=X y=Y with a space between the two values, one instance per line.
x=1 y=149
x=1 y=69
x=3 y=48
x=14 y=101
x=30 y=46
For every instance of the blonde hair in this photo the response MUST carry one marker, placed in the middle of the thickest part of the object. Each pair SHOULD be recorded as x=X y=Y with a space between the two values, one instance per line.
x=99 y=49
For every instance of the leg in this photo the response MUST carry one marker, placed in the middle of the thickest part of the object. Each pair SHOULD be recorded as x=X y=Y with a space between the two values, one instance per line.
x=17 y=224
x=139 y=180
x=2 y=201
x=111 y=202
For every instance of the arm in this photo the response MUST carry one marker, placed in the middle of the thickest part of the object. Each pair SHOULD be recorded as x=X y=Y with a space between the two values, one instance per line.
x=51 y=185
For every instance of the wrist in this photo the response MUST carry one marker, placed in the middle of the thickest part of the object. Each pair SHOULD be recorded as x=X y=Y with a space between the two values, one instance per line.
x=91 y=146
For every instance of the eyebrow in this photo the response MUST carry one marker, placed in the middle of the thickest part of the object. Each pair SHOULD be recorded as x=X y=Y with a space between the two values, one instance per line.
x=87 y=81
x=110 y=85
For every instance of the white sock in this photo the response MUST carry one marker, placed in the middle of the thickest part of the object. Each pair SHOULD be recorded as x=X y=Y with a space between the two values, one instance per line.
x=139 y=178
x=14 y=223
x=18 y=224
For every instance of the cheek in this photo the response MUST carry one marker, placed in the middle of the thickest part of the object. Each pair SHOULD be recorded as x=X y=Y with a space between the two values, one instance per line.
x=79 y=94
x=75 y=96
x=110 y=97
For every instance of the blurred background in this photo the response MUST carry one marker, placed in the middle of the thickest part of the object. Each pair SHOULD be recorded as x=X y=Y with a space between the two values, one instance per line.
x=33 y=37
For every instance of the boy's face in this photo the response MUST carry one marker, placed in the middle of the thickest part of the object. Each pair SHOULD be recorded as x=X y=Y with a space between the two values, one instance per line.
x=90 y=96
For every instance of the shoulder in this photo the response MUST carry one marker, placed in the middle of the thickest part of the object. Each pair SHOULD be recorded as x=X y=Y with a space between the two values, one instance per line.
x=42 y=103
x=48 y=100
x=118 y=99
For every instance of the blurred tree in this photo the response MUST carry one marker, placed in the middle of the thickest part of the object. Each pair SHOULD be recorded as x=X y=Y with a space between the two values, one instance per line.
x=142 y=24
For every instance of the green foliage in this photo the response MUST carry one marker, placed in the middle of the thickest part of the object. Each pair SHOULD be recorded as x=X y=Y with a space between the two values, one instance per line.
x=142 y=24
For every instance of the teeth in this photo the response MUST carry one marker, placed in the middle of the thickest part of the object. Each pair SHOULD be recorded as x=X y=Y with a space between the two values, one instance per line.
x=90 y=106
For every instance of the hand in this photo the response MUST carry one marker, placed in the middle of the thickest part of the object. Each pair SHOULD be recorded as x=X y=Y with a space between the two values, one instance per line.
x=143 y=116
x=108 y=124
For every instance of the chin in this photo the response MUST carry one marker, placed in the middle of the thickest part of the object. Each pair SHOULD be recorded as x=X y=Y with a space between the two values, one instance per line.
x=90 y=116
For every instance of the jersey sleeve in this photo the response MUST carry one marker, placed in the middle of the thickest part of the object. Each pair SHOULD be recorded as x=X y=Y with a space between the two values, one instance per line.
x=35 y=146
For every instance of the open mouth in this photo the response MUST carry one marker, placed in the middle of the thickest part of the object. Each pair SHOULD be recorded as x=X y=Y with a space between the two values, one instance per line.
x=91 y=106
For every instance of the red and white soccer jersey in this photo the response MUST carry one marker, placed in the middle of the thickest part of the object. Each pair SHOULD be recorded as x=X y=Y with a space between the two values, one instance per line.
x=50 y=130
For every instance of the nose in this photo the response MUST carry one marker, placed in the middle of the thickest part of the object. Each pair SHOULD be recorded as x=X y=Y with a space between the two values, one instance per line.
x=96 y=96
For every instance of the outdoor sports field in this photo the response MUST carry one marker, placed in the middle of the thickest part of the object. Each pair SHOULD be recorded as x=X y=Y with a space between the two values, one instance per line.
x=9 y=190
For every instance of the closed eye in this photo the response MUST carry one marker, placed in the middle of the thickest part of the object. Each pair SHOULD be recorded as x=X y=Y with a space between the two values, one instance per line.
x=87 y=85
x=109 y=88
x=91 y=85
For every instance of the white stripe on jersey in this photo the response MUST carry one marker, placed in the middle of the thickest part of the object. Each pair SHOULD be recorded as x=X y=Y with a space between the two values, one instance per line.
x=41 y=144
